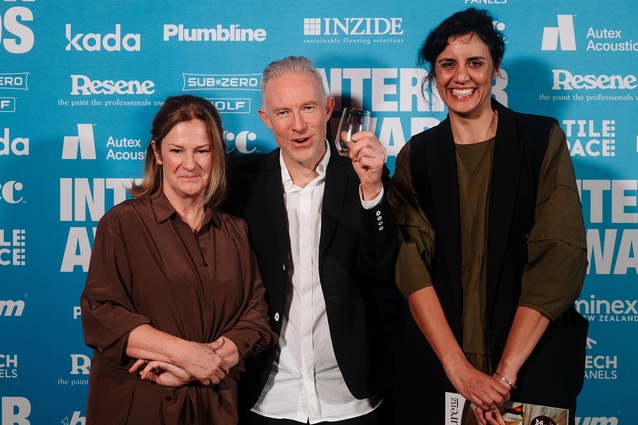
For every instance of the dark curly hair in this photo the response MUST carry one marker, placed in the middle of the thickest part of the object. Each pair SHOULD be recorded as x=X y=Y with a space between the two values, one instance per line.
x=470 y=21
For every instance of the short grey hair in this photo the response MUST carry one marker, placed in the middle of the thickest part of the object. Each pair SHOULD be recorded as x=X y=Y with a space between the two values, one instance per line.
x=292 y=64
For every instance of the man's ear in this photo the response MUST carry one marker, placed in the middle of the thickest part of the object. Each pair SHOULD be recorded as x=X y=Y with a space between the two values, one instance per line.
x=264 y=117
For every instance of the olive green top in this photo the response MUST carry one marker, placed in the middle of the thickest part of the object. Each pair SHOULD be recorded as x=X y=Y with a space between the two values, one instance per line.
x=547 y=284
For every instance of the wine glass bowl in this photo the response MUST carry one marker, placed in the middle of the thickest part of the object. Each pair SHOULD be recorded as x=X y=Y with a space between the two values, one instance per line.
x=353 y=120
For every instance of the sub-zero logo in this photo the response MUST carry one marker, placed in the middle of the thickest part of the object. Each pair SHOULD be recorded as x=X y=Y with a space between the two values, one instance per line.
x=564 y=32
x=12 y=247
x=10 y=308
x=222 y=82
x=353 y=26
x=241 y=141
x=81 y=84
x=9 y=192
x=111 y=42
x=84 y=141
x=14 y=81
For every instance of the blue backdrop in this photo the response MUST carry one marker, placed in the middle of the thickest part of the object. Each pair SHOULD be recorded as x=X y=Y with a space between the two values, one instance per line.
x=81 y=80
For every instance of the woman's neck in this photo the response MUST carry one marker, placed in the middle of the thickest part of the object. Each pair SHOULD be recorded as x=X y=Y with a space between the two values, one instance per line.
x=191 y=210
x=475 y=129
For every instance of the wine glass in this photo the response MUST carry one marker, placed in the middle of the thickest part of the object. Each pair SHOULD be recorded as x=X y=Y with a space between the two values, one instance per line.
x=352 y=121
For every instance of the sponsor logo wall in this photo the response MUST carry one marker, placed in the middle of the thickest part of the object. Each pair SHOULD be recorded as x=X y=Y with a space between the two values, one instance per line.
x=80 y=82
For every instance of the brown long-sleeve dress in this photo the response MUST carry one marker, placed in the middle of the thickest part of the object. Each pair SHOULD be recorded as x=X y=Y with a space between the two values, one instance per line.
x=147 y=267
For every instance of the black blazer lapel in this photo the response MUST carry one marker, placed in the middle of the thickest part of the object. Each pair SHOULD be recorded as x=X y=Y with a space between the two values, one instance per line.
x=506 y=168
x=337 y=181
x=274 y=205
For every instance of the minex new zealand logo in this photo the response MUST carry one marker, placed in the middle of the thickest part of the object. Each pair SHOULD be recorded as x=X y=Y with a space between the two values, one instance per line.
x=563 y=32
x=84 y=143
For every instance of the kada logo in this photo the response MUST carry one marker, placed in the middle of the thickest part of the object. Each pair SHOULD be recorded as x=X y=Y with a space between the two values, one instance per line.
x=564 y=32
x=84 y=141
x=18 y=146
x=111 y=42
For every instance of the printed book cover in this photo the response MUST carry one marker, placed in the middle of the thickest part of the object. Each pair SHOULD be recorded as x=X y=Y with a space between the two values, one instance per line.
x=461 y=412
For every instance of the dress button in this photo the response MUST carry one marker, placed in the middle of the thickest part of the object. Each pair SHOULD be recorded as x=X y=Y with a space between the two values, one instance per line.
x=380 y=223
x=205 y=264
x=208 y=305
x=379 y=218
x=380 y=228
x=378 y=213
x=276 y=317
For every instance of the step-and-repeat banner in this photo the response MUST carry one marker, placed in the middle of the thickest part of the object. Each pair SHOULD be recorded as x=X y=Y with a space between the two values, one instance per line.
x=81 y=80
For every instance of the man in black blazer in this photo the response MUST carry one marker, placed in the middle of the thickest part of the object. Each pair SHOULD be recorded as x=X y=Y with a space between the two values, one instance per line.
x=324 y=236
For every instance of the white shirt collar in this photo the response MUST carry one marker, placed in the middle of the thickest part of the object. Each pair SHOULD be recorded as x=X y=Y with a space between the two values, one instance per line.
x=322 y=167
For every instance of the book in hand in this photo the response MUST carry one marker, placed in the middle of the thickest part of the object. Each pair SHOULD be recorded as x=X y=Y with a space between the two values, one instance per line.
x=459 y=411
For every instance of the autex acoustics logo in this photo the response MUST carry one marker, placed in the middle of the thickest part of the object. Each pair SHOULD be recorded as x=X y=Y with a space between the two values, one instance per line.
x=84 y=142
x=564 y=33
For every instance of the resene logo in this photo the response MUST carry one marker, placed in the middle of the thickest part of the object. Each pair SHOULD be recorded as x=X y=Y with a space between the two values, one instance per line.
x=564 y=33
x=83 y=85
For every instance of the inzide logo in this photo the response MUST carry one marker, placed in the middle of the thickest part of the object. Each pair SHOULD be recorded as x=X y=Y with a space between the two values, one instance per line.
x=111 y=42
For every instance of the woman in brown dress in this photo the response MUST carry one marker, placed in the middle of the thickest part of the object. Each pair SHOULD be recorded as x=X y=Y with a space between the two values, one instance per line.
x=173 y=299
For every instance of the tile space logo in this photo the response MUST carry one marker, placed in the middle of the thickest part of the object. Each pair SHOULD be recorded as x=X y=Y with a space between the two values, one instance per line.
x=564 y=33
x=353 y=30
x=12 y=247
